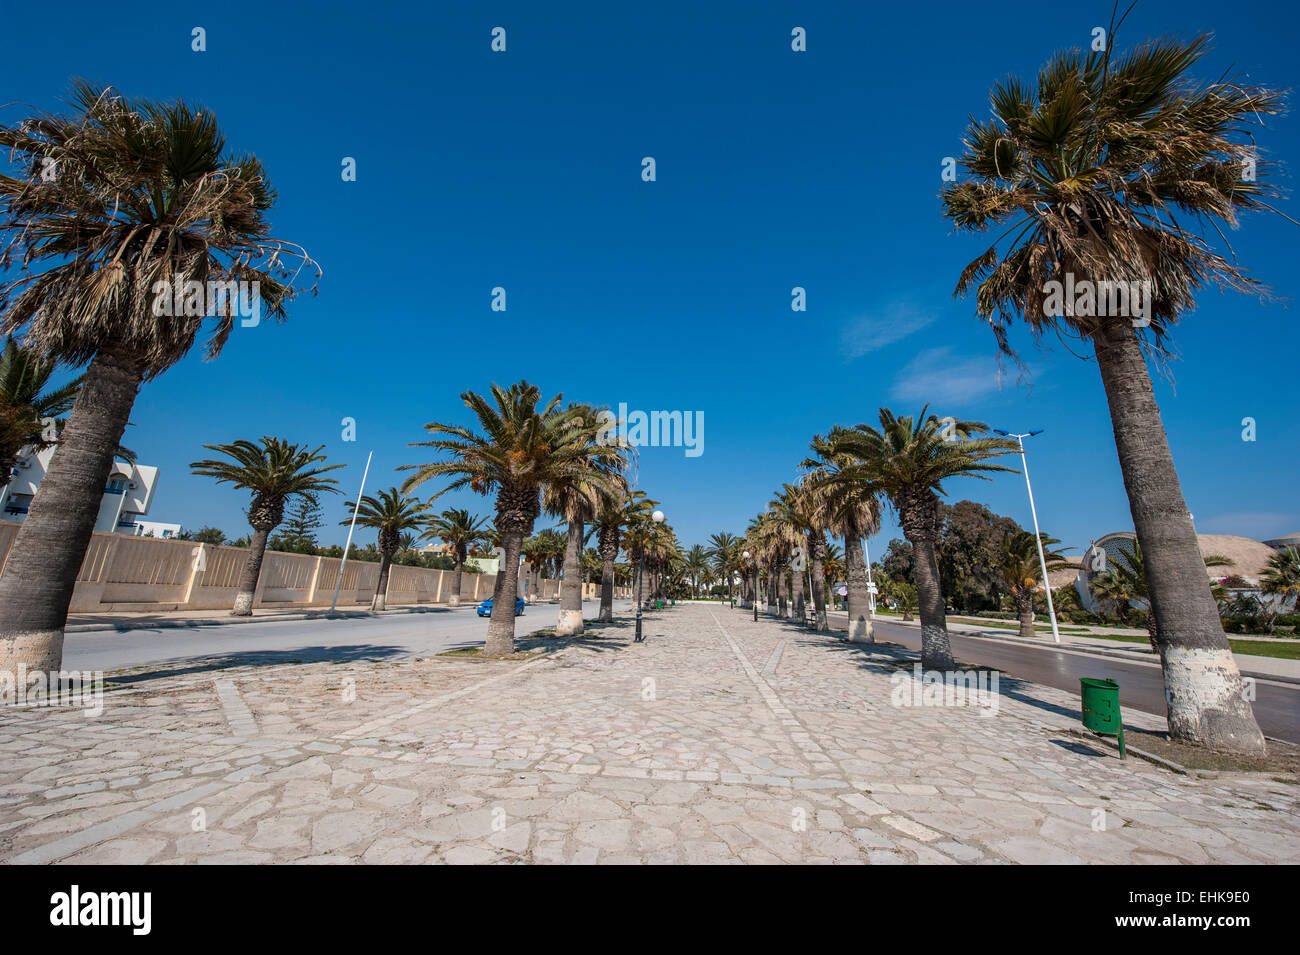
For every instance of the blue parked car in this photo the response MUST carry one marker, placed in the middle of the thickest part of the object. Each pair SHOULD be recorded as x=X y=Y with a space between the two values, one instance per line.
x=485 y=608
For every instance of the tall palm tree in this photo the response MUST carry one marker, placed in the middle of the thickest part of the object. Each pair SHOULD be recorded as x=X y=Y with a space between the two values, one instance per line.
x=1020 y=569
x=846 y=502
x=794 y=511
x=391 y=513
x=274 y=471
x=460 y=530
x=696 y=562
x=26 y=407
x=724 y=551
x=1282 y=578
x=523 y=444
x=144 y=194
x=908 y=460
x=1097 y=173
x=576 y=498
x=616 y=513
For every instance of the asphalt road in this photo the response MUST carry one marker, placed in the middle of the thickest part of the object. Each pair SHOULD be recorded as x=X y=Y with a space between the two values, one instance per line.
x=423 y=632
x=1141 y=685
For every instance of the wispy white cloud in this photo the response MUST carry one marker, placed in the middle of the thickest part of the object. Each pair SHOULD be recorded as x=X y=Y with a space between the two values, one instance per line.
x=867 y=333
x=937 y=377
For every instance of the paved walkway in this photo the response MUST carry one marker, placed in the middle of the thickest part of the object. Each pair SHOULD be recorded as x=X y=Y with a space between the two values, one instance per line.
x=716 y=740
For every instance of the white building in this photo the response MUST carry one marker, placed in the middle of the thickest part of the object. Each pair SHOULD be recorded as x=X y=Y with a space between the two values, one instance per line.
x=127 y=496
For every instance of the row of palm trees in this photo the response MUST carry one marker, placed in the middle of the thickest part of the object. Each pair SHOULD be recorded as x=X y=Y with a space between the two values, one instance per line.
x=851 y=473
x=275 y=471
x=1096 y=172
x=903 y=463
x=531 y=456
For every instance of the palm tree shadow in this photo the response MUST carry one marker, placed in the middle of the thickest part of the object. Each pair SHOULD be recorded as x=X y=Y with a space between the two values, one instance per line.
x=889 y=658
x=261 y=658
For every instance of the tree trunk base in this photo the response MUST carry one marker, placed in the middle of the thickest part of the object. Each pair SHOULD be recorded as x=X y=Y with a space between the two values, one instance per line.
x=32 y=650
x=936 y=653
x=570 y=623
x=453 y=600
x=379 y=603
x=1207 y=702
x=860 y=630
x=243 y=605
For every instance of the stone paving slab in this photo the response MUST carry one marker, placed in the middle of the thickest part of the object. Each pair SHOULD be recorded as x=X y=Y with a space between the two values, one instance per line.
x=718 y=740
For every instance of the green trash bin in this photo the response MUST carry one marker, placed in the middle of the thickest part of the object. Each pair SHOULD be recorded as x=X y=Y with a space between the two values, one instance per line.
x=659 y=605
x=1101 y=708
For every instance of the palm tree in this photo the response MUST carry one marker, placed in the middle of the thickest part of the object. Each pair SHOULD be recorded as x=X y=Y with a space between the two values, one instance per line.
x=833 y=567
x=1283 y=577
x=1019 y=568
x=1127 y=574
x=460 y=530
x=616 y=513
x=26 y=408
x=696 y=563
x=1117 y=588
x=908 y=459
x=1096 y=173
x=523 y=445
x=794 y=511
x=391 y=513
x=576 y=498
x=768 y=542
x=724 y=551
x=144 y=194
x=536 y=554
x=274 y=471
x=846 y=502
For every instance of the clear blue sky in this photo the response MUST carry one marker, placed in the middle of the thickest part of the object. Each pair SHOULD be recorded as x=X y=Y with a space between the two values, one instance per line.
x=775 y=169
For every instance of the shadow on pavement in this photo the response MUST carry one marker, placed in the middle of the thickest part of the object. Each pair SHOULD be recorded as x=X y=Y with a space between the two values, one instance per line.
x=259 y=658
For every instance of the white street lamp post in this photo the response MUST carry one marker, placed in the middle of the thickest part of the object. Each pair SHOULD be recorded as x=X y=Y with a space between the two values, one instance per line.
x=351 y=527
x=1038 y=538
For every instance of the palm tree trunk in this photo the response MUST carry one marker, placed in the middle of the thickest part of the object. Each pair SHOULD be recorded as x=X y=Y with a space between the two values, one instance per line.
x=817 y=547
x=796 y=596
x=1203 y=686
x=501 y=625
x=860 y=629
x=1025 y=610
x=936 y=653
x=380 y=600
x=1153 y=630
x=570 y=622
x=453 y=599
x=46 y=557
x=607 y=591
x=248 y=577
x=8 y=460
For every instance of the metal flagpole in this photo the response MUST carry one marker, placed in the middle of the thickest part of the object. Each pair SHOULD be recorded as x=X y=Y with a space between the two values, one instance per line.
x=348 y=546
